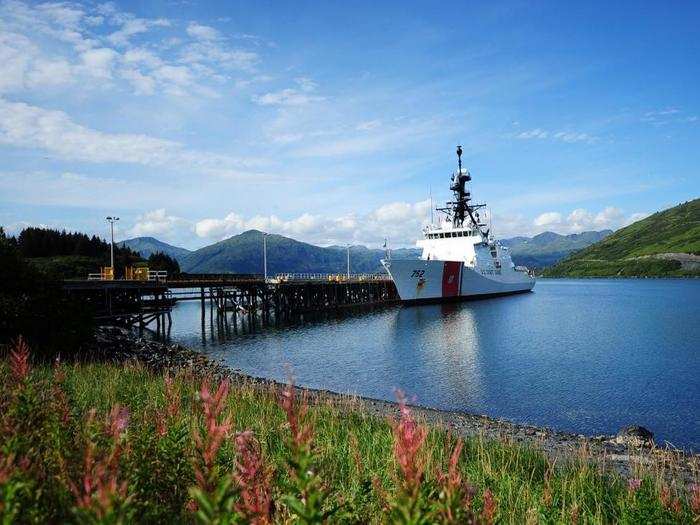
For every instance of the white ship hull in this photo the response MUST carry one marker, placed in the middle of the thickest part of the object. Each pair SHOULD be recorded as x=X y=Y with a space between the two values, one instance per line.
x=441 y=281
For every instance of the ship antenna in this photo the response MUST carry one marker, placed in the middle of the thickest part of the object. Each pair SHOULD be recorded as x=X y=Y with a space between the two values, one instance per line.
x=430 y=194
x=459 y=158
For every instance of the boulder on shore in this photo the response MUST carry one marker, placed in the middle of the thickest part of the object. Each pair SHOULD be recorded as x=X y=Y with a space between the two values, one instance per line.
x=635 y=435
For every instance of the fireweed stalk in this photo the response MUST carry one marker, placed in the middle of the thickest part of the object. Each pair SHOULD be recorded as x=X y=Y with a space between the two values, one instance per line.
x=307 y=502
x=253 y=478
x=100 y=494
x=454 y=502
x=213 y=497
x=409 y=437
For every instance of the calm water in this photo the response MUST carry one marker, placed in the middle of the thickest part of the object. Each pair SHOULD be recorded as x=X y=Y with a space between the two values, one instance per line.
x=586 y=356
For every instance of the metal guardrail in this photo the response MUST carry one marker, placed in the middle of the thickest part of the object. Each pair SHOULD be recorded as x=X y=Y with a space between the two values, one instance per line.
x=157 y=275
x=330 y=277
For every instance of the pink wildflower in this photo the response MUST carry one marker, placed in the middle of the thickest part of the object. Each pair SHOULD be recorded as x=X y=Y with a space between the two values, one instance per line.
x=695 y=498
x=634 y=484
x=301 y=434
x=172 y=406
x=19 y=359
x=409 y=437
x=100 y=486
x=59 y=395
x=216 y=430
x=253 y=479
x=7 y=467
x=489 y=511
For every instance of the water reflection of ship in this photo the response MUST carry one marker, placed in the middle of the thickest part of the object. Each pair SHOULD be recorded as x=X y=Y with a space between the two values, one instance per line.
x=454 y=362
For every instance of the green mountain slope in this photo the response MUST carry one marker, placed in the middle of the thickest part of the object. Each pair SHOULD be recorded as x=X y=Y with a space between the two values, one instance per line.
x=549 y=248
x=243 y=254
x=146 y=246
x=665 y=244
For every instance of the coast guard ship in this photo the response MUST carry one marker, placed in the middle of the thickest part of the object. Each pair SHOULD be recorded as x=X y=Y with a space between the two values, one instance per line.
x=460 y=260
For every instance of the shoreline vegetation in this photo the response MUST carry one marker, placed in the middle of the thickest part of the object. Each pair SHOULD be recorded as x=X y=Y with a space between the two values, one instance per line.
x=665 y=244
x=158 y=433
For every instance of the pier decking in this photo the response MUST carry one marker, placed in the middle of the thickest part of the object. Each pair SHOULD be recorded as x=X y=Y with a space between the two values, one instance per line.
x=246 y=296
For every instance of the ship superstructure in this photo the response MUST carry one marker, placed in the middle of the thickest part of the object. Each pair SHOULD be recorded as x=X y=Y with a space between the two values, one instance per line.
x=459 y=259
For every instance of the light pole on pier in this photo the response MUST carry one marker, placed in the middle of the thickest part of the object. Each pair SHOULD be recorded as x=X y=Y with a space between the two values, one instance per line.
x=111 y=221
x=348 y=262
x=265 y=254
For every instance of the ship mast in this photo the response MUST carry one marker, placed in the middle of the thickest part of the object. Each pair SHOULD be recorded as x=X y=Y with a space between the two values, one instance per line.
x=460 y=208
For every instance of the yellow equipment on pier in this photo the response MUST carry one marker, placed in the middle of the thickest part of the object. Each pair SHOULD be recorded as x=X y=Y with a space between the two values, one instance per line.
x=136 y=273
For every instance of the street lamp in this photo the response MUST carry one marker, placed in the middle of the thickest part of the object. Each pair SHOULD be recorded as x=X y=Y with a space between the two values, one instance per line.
x=348 y=262
x=111 y=221
x=265 y=254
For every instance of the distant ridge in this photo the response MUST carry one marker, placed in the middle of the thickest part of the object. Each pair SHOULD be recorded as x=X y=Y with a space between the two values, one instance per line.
x=243 y=253
x=548 y=248
x=146 y=246
x=664 y=244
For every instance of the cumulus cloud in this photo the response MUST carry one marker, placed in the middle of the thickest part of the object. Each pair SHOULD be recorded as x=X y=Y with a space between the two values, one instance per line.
x=202 y=32
x=134 y=26
x=581 y=219
x=547 y=219
x=158 y=223
x=401 y=222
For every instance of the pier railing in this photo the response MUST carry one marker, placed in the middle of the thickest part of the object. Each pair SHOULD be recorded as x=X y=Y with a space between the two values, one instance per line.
x=330 y=277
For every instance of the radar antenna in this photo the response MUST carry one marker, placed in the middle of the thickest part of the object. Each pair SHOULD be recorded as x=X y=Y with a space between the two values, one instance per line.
x=458 y=209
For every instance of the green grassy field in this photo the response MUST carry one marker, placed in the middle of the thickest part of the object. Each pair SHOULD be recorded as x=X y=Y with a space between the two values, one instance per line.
x=99 y=443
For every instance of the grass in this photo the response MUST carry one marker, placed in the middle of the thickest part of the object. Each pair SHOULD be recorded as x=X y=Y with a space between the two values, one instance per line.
x=101 y=443
x=675 y=230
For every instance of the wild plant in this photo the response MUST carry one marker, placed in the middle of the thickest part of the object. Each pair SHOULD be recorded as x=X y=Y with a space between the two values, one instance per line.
x=308 y=498
x=101 y=495
x=409 y=437
x=454 y=501
x=214 y=495
x=166 y=415
x=19 y=359
x=254 y=480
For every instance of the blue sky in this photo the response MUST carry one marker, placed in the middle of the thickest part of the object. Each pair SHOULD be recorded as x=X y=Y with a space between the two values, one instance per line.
x=329 y=121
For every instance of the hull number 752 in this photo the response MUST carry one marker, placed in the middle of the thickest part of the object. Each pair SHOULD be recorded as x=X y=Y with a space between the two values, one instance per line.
x=418 y=273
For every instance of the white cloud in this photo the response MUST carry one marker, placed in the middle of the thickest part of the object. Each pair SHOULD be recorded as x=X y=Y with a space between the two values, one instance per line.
x=368 y=125
x=202 y=32
x=131 y=26
x=158 y=223
x=99 y=62
x=401 y=222
x=580 y=220
x=547 y=219
x=536 y=133
x=564 y=136
x=298 y=96
x=34 y=56
x=26 y=126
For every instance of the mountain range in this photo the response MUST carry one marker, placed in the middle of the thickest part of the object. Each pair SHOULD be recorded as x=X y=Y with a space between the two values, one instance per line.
x=243 y=253
x=666 y=243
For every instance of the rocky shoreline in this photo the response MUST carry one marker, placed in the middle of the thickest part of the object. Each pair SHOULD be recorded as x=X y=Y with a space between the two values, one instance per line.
x=629 y=452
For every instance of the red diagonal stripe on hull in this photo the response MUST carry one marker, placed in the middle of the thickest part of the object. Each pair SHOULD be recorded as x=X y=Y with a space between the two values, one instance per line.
x=451 y=278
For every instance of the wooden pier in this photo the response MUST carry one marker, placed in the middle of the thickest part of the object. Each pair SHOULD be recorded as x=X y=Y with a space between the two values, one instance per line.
x=230 y=298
